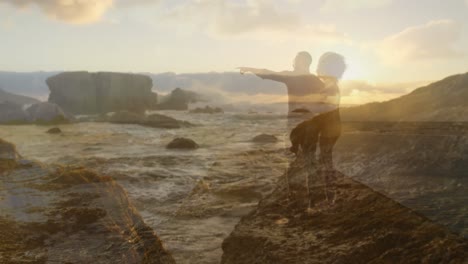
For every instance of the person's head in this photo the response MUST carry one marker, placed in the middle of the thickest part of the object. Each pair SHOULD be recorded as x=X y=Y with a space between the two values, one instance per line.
x=302 y=62
x=331 y=64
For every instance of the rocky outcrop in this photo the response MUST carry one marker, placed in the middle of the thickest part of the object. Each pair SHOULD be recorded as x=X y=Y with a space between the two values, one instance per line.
x=182 y=143
x=102 y=92
x=207 y=110
x=153 y=120
x=360 y=226
x=17 y=99
x=53 y=214
x=178 y=99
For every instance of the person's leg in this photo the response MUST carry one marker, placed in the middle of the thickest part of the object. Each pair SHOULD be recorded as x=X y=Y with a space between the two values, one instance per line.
x=326 y=152
x=329 y=135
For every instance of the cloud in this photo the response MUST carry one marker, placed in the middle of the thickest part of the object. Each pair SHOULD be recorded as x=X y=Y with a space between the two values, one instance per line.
x=434 y=40
x=263 y=19
x=70 y=11
x=229 y=17
x=350 y=5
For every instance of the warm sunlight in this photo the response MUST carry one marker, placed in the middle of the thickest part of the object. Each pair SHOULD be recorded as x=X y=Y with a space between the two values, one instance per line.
x=234 y=131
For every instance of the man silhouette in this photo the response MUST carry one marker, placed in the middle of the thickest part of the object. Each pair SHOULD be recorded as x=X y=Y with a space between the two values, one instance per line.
x=313 y=107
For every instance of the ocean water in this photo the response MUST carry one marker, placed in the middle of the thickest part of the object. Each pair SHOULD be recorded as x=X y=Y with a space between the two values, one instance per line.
x=191 y=198
x=194 y=198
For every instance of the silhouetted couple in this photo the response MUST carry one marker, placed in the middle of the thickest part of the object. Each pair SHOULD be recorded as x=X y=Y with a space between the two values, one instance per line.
x=313 y=114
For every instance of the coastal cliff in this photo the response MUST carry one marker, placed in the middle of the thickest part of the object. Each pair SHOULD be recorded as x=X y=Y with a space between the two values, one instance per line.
x=102 y=92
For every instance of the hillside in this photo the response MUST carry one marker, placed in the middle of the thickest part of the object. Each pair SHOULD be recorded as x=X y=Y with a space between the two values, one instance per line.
x=18 y=99
x=445 y=100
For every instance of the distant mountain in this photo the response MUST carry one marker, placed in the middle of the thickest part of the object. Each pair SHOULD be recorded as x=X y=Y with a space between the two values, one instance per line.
x=30 y=84
x=445 y=100
x=230 y=82
x=18 y=99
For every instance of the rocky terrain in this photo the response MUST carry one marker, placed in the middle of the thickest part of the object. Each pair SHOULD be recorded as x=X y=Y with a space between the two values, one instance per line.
x=54 y=214
x=102 y=92
x=360 y=226
x=441 y=101
x=419 y=164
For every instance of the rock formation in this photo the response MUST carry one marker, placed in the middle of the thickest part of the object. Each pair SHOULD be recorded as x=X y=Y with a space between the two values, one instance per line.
x=53 y=214
x=361 y=226
x=207 y=110
x=102 y=92
x=54 y=130
x=182 y=143
x=153 y=120
x=178 y=99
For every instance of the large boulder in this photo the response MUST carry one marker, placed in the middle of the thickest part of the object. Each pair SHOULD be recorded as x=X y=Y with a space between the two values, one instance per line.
x=12 y=113
x=53 y=214
x=182 y=143
x=153 y=120
x=178 y=99
x=8 y=156
x=47 y=113
x=102 y=92
x=162 y=121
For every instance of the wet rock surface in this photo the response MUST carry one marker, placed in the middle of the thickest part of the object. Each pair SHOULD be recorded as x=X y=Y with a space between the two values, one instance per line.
x=54 y=130
x=361 y=226
x=53 y=214
x=421 y=165
x=265 y=138
x=152 y=120
x=207 y=110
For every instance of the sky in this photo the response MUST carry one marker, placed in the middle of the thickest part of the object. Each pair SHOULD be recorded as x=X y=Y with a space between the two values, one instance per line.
x=384 y=41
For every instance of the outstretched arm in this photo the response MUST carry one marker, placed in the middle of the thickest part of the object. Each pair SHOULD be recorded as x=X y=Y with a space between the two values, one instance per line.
x=265 y=74
x=255 y=71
